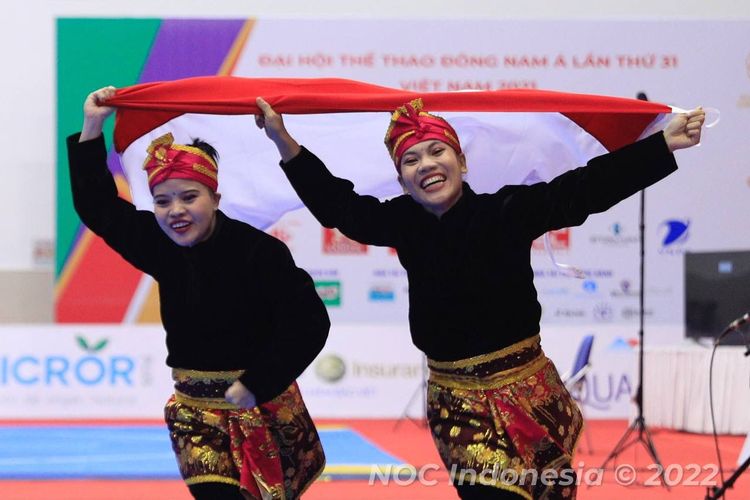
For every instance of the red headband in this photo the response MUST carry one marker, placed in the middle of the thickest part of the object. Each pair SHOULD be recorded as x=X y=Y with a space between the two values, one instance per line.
x=166 y=160
x=410 y=125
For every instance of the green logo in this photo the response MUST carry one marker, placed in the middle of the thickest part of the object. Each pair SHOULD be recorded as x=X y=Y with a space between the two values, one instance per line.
x=83 y=344
x=330 y=368
x=329 y=292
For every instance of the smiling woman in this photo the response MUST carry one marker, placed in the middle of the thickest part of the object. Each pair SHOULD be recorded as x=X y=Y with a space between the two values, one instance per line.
x=495 y=401
x=183 y=181
x=185 y=210
x=432 y=173
x=242 y=320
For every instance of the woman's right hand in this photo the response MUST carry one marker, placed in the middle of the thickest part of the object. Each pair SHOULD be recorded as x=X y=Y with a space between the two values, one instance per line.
x=273 y=124
x=95 y=112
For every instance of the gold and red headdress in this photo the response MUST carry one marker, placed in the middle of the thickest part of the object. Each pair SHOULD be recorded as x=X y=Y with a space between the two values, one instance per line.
x=411 y=124
x=167 y=160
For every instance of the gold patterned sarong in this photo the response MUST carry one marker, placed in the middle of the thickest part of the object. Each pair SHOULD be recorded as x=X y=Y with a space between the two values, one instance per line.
x=271 y=451
x=499 y=418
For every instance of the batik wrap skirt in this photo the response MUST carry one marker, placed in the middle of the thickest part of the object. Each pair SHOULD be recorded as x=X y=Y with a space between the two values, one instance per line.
x=497 y=417
x=271 y=451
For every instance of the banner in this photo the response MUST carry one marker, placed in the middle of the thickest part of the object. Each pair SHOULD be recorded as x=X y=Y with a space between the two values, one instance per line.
x=362 y=284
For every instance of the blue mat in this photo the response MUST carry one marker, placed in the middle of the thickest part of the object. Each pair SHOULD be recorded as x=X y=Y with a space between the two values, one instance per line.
x=144 y=452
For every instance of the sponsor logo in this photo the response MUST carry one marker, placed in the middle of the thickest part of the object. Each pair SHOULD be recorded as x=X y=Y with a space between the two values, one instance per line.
x=601 y=390
x=330 y=368
x=329 y=292
x=617 y=236
x=673 y=233
x=589 y=286
x=625 y=290
x=390 y=273
x=557 y=273
x=382 y=293
x=386 y=370
x=336 y=243
x=569 y=313
x=558 y=239
x=284 y=230
x=634 y=312
x=603 y=312
x=324 y=273
x=94 y=368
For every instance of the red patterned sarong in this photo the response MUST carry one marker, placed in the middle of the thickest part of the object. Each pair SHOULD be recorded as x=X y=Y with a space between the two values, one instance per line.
x=271 y=451
x=497 y=417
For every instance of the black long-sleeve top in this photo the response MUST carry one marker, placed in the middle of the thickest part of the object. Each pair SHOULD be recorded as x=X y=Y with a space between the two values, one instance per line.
x=234 y=301
x=471 y=287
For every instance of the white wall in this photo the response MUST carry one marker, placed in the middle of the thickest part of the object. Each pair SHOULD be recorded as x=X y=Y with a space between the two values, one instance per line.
x=27 y=100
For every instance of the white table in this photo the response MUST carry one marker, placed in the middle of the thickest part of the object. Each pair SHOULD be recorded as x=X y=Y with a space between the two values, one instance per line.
x=676 y=388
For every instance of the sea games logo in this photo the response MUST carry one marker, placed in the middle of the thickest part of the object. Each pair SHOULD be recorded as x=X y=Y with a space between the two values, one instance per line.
x=673 y=234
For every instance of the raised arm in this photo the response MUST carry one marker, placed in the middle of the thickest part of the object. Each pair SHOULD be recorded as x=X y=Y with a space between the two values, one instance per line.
x=331 y=200
x=130 y=232
x=571 y=197
x=95 y=113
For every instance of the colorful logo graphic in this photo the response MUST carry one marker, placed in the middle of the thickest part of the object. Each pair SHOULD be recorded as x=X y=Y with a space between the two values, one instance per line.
x=559 y=240
x=617 y=236
x=330 y=368
x=603 y=312
x=589 y=286
x=674 y=234
x=55 y=370
x=336 y=243
x=382 y=293
x=329 y=292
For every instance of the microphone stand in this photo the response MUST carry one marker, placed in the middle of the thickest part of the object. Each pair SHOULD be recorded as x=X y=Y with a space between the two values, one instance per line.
x=715 y=492
x=639 y=424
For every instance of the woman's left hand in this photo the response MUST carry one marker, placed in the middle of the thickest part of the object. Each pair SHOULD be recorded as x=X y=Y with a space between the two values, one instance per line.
x=239 y=395
x=684 y=130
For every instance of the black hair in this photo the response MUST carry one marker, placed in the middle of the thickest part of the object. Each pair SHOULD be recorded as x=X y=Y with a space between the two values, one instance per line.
x=206 y=148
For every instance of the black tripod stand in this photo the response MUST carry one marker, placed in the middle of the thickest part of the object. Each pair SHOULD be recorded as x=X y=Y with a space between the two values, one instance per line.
x=637 y=432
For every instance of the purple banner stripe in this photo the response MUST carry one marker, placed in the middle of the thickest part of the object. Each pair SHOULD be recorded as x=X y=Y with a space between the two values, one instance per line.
x=185 y=48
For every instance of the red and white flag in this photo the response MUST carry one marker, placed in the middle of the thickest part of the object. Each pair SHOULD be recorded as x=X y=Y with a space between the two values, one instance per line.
x=509 y=136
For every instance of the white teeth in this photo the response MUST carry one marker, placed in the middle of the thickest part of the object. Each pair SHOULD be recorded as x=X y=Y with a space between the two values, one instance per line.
x=432 y=180
x=178 y=225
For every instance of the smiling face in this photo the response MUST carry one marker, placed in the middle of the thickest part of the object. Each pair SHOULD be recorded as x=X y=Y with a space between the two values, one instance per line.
x=185 y=210
x=432 y=173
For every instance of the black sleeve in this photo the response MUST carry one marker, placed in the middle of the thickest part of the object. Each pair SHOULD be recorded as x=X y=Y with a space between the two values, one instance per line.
x=299 y=320
x=131 y=233
x=335 y=204
x=570 y=198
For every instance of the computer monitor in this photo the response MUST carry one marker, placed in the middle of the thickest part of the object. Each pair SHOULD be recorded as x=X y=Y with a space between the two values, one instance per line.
x=717 y=291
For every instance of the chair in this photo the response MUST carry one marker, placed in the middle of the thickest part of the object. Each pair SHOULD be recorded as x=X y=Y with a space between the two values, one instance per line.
x=575 y=379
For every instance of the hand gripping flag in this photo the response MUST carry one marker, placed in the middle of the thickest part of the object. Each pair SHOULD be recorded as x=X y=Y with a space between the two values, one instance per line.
x=508 y=136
